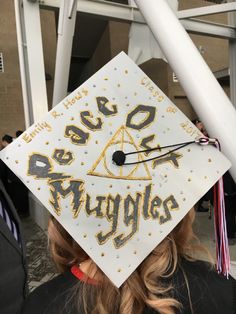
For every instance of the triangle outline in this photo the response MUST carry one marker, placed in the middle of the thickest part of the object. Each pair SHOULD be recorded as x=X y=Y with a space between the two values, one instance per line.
x=102 y=158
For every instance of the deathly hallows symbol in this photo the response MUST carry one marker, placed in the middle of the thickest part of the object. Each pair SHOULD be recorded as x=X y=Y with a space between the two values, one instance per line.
x=103 y=166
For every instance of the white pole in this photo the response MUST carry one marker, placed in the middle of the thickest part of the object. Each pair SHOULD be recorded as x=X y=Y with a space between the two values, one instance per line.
x=21 y=48
x=35 y=60
x=201 y=87
x=66 y=27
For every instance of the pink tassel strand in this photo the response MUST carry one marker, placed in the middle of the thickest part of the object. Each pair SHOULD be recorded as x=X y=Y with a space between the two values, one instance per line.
x=222 y=248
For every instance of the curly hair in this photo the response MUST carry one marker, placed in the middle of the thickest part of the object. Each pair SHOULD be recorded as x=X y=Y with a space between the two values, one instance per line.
x=149 y=285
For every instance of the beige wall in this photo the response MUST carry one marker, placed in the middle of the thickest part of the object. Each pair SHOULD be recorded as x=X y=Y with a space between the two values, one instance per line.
x=119 y=33
x=215 y=50
x=11 y=103
x=157 y=70
x=114 y=40
x=102 y=54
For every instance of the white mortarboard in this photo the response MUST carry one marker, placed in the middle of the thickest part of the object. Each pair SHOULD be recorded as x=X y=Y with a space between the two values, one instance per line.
x=117 y=213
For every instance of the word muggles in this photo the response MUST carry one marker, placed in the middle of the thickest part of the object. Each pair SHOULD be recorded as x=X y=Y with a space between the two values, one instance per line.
x=107 y=206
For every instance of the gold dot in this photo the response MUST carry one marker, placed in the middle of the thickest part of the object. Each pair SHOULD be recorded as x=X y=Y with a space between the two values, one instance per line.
x=16 y=161
x=126 y=71
x=118 y=85
x=82 y=163
x=61 y=114
x=102 y=254
x=110 y=186
x=165 y=175
x=38 y=189
x=150 y=234
x=85 y=235
x=72 y=118
x=119 y=270
x=189 y=180
x=209 y=160
x=184 y=199
x=128 y=187
x=189 y=150
x=205 y=177
x=86 y=104
x=105 y=78
x=47 y=143
x=135 y=252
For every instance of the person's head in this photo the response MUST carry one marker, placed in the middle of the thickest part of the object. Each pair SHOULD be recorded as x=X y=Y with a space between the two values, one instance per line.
x=144 y=286
x=200 y=126
x=6 y=140
x=18 y=133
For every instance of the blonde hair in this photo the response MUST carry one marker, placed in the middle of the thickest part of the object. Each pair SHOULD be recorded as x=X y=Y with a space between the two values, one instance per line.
x=149 y=285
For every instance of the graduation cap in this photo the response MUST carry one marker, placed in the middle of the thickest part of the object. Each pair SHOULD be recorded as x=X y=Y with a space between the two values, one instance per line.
x=117 y=164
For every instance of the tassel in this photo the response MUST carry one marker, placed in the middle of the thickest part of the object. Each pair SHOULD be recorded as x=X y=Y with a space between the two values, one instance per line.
x=222 y=248
x=221 y=239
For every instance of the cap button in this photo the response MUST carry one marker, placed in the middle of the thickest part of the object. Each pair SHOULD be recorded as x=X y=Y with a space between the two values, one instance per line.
x=118 y=158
